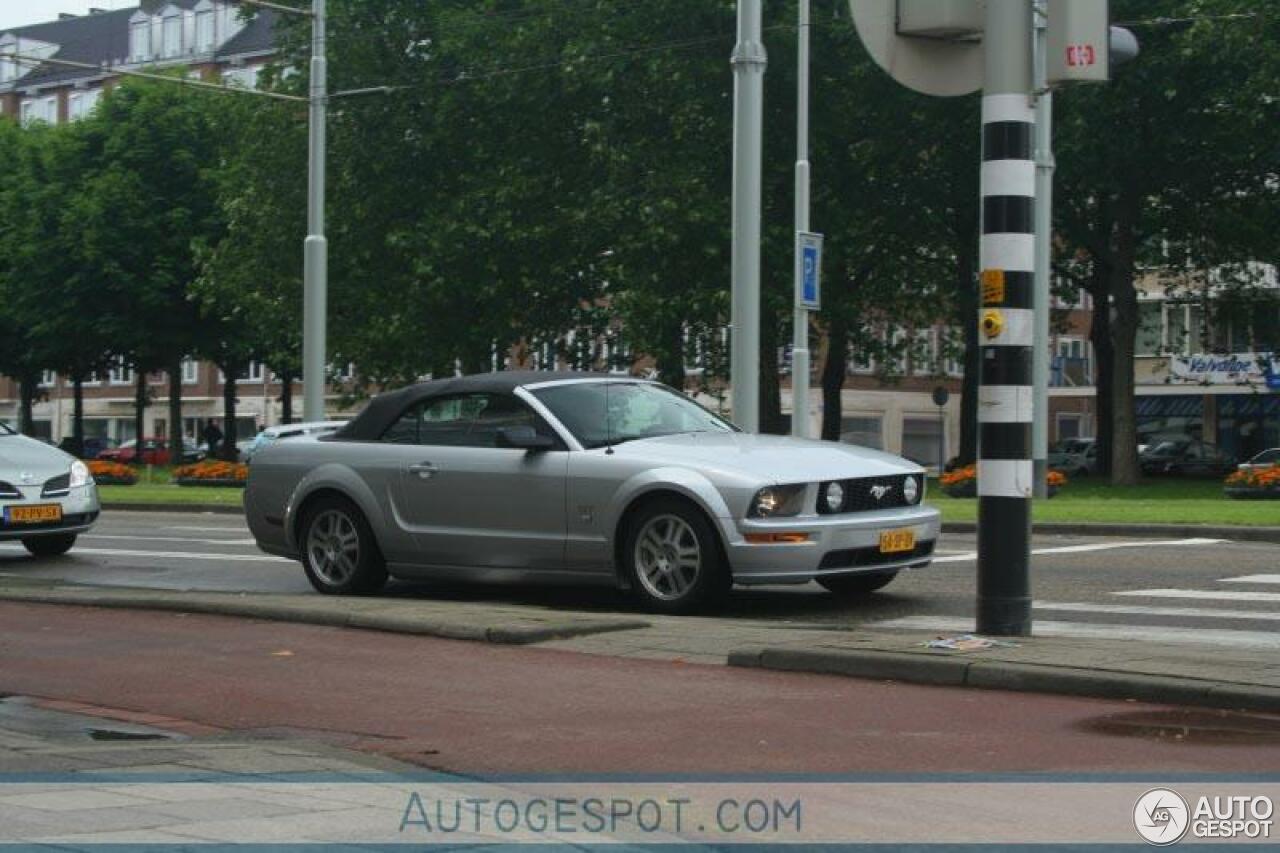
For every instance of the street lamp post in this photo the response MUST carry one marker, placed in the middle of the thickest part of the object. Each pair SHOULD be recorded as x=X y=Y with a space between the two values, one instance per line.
x=316 y=251
x=749 y=62
x=800 y=346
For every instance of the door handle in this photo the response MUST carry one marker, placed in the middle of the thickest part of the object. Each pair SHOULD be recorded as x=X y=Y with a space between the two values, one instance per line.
x=423 y=470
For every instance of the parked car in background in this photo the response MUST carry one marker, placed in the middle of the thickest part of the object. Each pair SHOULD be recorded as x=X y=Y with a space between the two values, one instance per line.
x=1187 y=458
x=580 y=476
x=271 y=435
x=47 y=497
x=155 y=451
x=1265 y=459
x=90 y=447
x=1075 y=456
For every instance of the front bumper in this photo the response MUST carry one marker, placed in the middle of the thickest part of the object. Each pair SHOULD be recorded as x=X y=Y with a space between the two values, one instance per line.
x=80 y=509
x=837 y=545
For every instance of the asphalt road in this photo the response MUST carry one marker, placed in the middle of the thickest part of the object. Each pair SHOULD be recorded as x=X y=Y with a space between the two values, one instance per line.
x=478 y=708
x=1182 y=591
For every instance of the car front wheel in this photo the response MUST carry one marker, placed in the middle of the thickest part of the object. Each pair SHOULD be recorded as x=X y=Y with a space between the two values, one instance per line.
x=340 y=555
x=673 y=558
x=49 y=546
x=856 y=586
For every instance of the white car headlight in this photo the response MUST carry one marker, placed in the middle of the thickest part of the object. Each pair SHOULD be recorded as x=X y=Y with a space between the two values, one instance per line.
x=832 y=497
x=80 y=474
x=911 y=491
x=777 y=502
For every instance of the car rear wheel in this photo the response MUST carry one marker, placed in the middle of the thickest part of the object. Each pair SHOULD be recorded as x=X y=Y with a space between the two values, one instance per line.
x=49 y=546
x=673 y=558
x=340 y=555
x=855 y=586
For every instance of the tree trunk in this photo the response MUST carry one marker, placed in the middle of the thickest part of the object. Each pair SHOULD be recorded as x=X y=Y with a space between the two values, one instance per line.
x=286 y=397
x=77 y=414
x=772 y=420
x=229 y=371
x=28 y=387
x=834 y=370
x=175 y=411
x=1124 y=332
x=139 y=411
x=967 y=263
x=1100 y=334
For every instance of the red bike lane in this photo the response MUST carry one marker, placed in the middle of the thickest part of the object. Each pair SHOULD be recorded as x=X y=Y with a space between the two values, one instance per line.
x=476 y=708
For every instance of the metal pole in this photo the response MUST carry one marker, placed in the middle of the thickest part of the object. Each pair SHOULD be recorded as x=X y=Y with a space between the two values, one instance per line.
x=1044 y=241
x=800 y=347
x=749 y=62
x=316 y=258
x=1007 y=322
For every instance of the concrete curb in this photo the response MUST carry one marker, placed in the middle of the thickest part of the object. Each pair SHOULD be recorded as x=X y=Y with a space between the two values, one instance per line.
x=1172 y=531
x=503 y=631
x=955 y=671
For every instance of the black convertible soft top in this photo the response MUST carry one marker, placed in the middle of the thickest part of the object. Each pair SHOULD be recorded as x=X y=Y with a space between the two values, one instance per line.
x=384 y=409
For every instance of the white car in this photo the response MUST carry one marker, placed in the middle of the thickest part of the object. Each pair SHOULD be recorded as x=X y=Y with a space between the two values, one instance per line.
x=278 y=433
x=47 y=497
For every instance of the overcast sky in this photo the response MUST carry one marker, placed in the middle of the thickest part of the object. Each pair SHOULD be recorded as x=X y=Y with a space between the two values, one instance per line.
x=17 y=13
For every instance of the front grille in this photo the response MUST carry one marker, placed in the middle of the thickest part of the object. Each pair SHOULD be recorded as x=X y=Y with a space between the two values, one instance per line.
x=9 y=493
x=861 y=558
x=860 y=494
x=57 y=487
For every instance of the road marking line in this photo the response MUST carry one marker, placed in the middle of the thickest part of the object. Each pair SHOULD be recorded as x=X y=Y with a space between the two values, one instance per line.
x=1205 y=594
x=137 y=538
x=1253 y=579
x=1147 y=610
x=1148 y=633
x=166 y=555
x=1094 y=547
x=229 y=528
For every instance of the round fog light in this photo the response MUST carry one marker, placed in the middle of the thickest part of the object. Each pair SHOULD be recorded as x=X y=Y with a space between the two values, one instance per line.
x=833 y=497
x=910 y=490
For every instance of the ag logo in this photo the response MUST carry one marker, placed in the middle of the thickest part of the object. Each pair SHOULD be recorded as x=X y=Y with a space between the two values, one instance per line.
x=1161 y=816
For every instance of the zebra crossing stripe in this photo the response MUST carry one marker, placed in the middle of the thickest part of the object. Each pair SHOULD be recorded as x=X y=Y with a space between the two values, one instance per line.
x=1203 y=594
x=1146 y=610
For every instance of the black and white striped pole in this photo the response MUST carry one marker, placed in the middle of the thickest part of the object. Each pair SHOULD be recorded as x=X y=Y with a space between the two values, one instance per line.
x=1007 y=322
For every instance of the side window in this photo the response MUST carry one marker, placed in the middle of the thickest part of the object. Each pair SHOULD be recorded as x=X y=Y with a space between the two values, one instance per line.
x=499 y=412
x=405 y=430
x=445 y=422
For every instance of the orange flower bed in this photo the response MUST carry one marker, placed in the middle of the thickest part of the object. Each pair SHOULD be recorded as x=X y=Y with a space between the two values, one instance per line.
x=1256 y=478
x=211 y=470
x=112 y=472
x=969 y=473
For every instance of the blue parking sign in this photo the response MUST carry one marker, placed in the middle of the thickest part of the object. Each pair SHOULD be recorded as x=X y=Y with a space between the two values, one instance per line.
x=809 y=274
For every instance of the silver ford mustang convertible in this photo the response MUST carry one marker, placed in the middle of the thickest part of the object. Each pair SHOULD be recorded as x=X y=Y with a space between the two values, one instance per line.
x=581 y=476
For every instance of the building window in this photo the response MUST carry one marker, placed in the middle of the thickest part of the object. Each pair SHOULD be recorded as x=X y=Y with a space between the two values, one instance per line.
x=172 y=32
x=140 y=40
x=251 y=373
x=1150 y=340
x=121 y=374
x=924 y=354
x=8 y=68
x=48 y=379
x=922 y=439
x=241 y=78
x=1069 y=426
x=81 y=104
x=190 y=371
x=204 y=31
x=862 y=431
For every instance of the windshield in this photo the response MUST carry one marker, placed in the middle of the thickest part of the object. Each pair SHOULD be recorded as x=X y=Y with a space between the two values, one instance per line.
x=601 y=413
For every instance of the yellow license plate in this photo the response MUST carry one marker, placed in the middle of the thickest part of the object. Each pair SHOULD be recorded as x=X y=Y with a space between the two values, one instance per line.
x=897 y=541
x=33 y=514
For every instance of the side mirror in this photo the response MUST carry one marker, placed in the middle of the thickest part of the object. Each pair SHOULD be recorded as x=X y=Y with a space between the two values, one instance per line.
x=523 y=438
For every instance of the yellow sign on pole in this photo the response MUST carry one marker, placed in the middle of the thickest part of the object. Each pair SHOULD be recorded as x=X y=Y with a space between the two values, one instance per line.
x=993 y=287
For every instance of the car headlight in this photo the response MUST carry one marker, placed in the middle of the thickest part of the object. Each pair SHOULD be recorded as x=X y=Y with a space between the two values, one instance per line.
x=912 y=492
x=80 y=474
x=832 y=497
x=777 y=502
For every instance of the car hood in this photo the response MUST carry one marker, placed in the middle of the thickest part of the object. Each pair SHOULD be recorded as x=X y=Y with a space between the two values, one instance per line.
x=21 y=455
x=773 y=458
